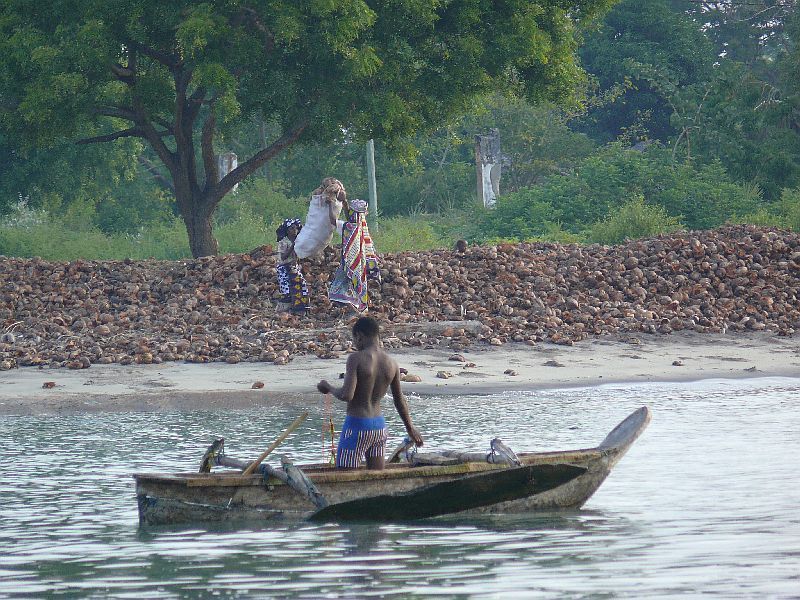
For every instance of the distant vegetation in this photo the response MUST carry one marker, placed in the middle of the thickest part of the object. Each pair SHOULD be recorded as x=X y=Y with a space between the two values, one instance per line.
x=689 y=118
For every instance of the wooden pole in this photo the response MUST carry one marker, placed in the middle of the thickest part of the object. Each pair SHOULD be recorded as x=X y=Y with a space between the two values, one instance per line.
x=254 y=465
x=372 y=185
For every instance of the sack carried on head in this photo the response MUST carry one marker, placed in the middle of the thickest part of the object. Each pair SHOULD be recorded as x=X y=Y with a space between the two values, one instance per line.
x=318 y=231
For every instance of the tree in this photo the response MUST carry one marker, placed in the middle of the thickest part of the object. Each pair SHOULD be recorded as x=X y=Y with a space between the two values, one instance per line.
x=178 y=74
x=744 y=31
x=635 y=40
x=747 y=114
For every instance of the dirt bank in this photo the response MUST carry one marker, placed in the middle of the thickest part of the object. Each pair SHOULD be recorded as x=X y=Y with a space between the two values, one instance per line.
x=485 y=369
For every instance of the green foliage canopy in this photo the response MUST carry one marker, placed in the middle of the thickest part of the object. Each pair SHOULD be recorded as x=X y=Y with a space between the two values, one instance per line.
x=652 y=45
x=177 y=73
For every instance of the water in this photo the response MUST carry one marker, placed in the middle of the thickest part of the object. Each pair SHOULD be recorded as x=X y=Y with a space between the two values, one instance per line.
x=705 y=503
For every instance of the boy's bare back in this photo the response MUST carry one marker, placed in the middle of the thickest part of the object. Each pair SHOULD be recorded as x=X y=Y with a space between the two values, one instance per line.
x=369 y=374
x=373 y=371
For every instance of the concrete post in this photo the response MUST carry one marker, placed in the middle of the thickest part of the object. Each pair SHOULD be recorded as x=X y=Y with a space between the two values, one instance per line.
x=487 y=163
x=227 y=162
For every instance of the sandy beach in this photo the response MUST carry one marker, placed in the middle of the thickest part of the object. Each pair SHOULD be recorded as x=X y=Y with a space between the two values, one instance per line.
x=609 y=359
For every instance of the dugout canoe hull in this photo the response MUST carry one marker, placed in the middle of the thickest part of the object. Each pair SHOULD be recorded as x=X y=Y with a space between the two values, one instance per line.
x=545 y=481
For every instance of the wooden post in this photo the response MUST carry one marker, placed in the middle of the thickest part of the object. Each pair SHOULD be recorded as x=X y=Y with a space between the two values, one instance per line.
x=373 y=189
x=487 y=163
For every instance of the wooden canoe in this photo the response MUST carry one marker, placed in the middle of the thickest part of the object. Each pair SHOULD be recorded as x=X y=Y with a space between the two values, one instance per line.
x=554 y=480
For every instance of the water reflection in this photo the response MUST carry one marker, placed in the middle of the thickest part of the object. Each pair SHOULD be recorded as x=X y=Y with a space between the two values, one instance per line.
x=705 y=502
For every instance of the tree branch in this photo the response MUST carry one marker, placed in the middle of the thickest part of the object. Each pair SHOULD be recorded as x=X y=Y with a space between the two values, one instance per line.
x=184 y=132
x=248 y=167
x=158 y=56
x=207 y=146
x=124 y=74
x=157 y=175
x=115 y=111
x=131 y=132
x=163 y=122
x=154 y=137
x=195 y=103
x=248 y=16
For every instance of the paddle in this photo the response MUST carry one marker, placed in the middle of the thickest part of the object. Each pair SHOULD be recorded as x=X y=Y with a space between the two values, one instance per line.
x=254 y=465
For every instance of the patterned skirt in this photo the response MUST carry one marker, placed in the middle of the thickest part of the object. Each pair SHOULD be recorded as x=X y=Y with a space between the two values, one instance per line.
x=292 y=287
x=359 y=264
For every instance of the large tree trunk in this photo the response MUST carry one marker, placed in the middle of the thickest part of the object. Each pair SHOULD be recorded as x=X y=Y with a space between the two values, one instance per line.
x=198 y=192
x=196 y=210
x=201 y=240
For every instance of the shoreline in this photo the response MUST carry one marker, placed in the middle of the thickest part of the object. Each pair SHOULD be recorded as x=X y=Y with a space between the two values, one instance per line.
x=628 y=358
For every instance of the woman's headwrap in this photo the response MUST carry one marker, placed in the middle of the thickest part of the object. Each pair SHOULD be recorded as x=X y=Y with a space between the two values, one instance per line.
x=283 y=230
x=357 y=205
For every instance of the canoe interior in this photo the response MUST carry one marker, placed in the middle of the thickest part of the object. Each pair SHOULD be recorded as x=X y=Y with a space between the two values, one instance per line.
x=323 y=473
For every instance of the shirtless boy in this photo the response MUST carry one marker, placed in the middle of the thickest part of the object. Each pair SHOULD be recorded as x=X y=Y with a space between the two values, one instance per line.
x=370 y=371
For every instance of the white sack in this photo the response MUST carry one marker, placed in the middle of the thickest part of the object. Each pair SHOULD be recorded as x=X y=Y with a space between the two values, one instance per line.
x=317 y=231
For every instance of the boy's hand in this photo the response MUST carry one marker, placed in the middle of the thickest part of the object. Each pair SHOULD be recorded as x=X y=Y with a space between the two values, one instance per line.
x=324 y=387
x=414 y=435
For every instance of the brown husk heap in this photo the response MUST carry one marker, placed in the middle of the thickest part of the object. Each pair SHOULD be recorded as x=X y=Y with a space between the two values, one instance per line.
x=78 y=313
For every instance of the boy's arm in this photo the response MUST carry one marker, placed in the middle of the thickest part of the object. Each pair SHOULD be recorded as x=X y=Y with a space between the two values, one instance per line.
x=402 y=408
x=344 y=393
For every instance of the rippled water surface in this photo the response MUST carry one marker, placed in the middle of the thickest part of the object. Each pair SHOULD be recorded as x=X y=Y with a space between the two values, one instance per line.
x=706 y=502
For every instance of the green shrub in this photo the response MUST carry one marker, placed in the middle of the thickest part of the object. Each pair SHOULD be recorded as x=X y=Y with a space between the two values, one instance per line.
x=764 y=217
x=554 y=232
x=520 y=215
x=783 y=213
x=632 y=220
x=244 y=234
x=789 y=208
x=260 y=199
x=52 y=239
x=701 y=197
x=429 y=191
x=397 y=234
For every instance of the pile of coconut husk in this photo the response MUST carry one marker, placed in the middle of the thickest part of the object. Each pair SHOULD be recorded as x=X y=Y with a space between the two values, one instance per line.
x=79 y=313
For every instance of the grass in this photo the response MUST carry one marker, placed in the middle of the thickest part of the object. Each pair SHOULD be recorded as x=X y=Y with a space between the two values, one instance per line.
x=52 y=240
x=243 y=226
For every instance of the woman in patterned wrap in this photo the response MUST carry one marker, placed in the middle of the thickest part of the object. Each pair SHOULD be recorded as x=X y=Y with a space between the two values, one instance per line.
x=359 y=261
x=291 y=283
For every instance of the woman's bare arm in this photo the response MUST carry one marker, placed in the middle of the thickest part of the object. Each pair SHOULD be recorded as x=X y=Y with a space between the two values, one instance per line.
x=332 y=213
x=288 y=252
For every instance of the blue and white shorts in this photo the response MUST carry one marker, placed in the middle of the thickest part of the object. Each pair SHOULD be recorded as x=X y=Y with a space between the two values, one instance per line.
x=360 y=438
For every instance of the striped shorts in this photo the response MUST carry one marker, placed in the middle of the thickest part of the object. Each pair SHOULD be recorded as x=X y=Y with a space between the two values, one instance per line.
x=361 y=437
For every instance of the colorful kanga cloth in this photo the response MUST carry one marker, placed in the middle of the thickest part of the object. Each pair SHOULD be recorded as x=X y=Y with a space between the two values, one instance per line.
x=359 y=260
x=291 y=283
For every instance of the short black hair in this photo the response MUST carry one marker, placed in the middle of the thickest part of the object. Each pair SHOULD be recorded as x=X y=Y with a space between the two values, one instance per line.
x=366 y=326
